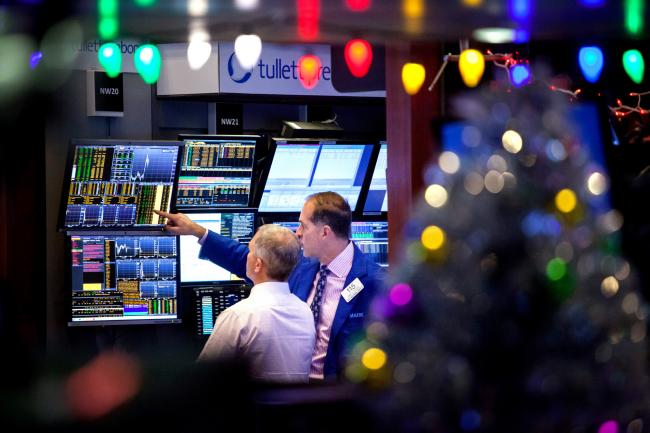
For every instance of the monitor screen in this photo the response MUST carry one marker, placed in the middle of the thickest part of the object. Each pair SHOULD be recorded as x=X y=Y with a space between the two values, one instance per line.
x=123 y=279
x=299 y=169
x=216 y=172
x=371 y=237
x=377 y=199
x=239 y=226
x=209 y=302
x=119 y=184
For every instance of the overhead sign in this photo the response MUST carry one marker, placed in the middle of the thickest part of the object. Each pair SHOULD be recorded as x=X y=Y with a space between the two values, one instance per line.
x=86 y=55
x=277 y=73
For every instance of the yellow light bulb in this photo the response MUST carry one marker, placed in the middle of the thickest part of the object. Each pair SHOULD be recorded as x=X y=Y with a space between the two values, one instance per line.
x=433 y=238
x=566 y=200
x=413 y=75
x=373 y=358
x=472 y=66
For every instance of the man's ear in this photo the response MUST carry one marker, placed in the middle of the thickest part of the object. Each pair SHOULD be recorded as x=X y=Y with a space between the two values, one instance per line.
x=258 y=264
x=327 y=230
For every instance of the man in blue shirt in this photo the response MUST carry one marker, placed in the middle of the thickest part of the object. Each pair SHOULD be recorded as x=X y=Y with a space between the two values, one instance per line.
x=334 y=277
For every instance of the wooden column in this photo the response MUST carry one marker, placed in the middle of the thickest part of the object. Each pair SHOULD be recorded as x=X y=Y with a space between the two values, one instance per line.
x=409 y=133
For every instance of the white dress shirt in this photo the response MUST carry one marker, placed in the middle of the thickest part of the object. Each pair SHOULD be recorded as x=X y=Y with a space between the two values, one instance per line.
x=272 y=329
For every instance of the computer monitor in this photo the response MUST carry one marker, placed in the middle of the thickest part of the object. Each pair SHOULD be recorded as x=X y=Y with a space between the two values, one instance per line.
x=300 y=168
x=120 y=279
x=210 y=301
x=216 y=171
x=371 y=237
x=377 y=198
x=118 y=184
x=237 y=225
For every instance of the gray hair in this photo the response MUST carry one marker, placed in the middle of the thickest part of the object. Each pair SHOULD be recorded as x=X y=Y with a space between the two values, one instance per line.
x=279 y=248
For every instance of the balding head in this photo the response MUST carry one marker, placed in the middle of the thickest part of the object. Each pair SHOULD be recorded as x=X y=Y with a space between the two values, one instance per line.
x=279 y=249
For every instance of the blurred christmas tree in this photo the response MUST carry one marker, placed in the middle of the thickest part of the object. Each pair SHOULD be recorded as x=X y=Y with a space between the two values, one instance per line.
x=512 y=310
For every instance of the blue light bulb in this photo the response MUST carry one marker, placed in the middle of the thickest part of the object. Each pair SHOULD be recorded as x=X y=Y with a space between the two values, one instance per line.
x=520 y=75
x=591 y=63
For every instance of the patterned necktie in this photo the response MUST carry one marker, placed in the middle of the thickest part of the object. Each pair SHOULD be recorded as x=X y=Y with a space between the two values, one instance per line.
x=320 y=286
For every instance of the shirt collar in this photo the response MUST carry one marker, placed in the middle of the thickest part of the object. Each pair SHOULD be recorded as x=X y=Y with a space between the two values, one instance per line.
x=270 y=287
x=342 y=263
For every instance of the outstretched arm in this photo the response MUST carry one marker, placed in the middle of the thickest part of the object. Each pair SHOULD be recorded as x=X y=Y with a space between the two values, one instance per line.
x=180 y=224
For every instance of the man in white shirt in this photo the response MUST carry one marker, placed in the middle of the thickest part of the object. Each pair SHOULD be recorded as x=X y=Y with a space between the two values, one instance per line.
x=272 y=329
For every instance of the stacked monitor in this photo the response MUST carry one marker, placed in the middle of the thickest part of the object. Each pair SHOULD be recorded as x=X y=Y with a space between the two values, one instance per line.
x=238 y=225
x=119 y=278
x=216 y=172
x=113 y=185
x=215 y=189
x=123 y=267
x=303 y=167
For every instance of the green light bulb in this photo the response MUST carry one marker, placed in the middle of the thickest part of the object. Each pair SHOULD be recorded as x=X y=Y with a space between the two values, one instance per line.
x=110 y=58
x=634 y=65
x=145 y=3
x=148 y=62
x=634 y=10
x=107 y=8
x=108 y=28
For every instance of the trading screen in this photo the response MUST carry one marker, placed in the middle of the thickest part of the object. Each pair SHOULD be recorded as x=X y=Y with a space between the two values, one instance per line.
x=299 y=170
x=124 y=278
x=209 y=302
x=216 y=173
x=371 y=237
x=239 y=226
x=120 y=185
x=377 y=199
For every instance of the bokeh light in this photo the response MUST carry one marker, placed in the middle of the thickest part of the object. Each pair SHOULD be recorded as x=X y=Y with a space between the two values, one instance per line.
x=566 y=200
x=373 y=358
x=449 y=162
x=512 y=141
x=474 y=183
x=404 y=372
x=433 y=238
x=597 y=183
x=498 y=163
x=556 y=269
x=494 y=181
x=610 y=426
x=400 y=294
x=609 y=286
x=555 y=150
x=436 y=195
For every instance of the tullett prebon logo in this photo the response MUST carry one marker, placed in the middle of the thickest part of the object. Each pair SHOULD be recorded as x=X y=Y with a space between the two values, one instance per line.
x=236 y=72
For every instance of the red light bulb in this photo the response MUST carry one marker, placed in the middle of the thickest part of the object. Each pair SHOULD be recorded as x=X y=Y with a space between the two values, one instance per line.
x=309 y=67
x=358 y=5
x=358 y=57
x=308 y=16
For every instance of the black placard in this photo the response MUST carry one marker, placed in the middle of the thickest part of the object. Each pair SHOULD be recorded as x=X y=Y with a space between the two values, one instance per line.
x=109 y=95
x=230 y=118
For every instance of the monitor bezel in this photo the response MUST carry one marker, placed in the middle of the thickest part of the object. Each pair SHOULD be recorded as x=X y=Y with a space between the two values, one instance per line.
x=362 y=213
x=260 y=141
x=319 y=141
x=122 y=322
x=217 y=282
x=104 y=142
